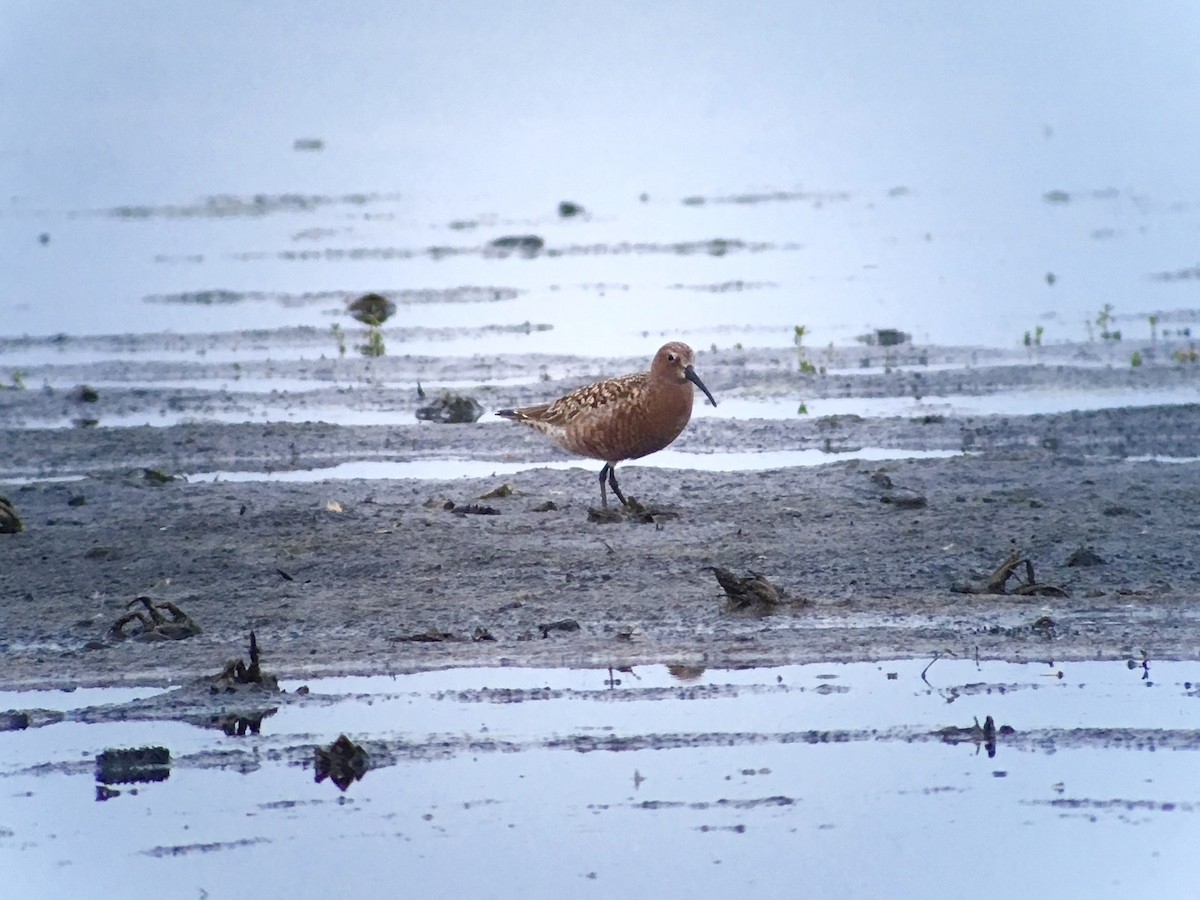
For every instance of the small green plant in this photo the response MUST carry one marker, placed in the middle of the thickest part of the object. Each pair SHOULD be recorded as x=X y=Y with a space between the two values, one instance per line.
x=18 y=379
x=1104 y=319
x=340 y=337
x=374 y=345
x=802 y=409
x=1135 y=359
x=1185 y=356
x=806 y=365
x=1153 y=320
x=1032 y=341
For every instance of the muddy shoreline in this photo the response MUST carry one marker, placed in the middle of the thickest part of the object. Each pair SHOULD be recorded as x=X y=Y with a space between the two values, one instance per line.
x=379 y=576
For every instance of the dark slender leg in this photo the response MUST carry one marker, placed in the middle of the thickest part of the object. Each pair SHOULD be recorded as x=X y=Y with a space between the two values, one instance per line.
x=609 y=474
x=612 y=482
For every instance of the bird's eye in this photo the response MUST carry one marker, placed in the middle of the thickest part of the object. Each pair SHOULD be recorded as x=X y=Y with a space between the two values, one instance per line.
x=671 y=357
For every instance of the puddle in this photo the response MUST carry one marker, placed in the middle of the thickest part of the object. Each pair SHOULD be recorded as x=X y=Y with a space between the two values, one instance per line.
x=38 y=479
x=1000 y=403
x=258 y=414
x=664 y=459
x=544 y=783
x=294 y=388
x=284 y=399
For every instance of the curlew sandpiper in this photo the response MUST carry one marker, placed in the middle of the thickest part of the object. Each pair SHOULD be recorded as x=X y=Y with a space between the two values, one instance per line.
x=621 y=418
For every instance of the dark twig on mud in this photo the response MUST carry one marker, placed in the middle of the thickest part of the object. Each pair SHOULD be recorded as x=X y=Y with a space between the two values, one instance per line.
x=153 y=625
x=236 y=674
x=936 y=656
x=997 y=582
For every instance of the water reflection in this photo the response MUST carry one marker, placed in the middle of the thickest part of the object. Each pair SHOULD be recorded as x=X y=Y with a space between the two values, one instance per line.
x=470 y=768
x=343 y=762
x=141 y=765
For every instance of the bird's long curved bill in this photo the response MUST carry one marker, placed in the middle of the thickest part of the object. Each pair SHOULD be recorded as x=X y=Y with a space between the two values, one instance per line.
x=690 y=374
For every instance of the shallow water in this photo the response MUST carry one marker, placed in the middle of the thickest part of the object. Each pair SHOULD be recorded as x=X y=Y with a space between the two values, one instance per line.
x=809 y=186
x=748 y=461
x=290 y=400
x=545 y=783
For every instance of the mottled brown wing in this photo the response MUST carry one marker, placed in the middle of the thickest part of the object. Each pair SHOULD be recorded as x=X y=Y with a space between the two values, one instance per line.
x=588 y=399
x=524 y=413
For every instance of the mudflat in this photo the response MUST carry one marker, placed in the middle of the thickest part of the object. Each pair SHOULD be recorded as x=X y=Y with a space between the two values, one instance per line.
x=1096 y=513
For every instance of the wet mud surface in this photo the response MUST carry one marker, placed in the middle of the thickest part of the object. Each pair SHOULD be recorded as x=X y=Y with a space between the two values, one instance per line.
x=371 y=577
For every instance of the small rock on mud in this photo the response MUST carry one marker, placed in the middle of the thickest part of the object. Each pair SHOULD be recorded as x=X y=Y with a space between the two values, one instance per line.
x=635 y=512
x=372 y=309
x=14 y=720
x=451 y=409
x=905 y=499
x=502 y=490
x=1085 y=556
x=882 y=479
x=751 y=592
x=528 y=245
x=10 y=522
x=429 y=636
x=565 y=626
x=475 y=509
